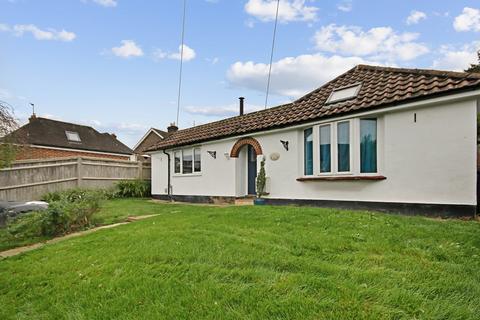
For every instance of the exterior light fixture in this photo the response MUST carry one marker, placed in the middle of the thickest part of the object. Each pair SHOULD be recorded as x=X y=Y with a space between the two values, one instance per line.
x=284 y=144
x=213 y=154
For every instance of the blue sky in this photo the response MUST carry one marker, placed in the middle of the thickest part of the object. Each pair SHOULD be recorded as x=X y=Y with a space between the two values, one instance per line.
x=113 y=64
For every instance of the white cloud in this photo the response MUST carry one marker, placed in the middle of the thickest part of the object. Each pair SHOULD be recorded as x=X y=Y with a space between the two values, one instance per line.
x=415 y=17
x=381 y=43
x=469 y=20
x=49 y=34
x=291 y=76
x=289 y=10
x=128 y=49
x=220 y=111
x=106 y=3
x=457 y=59
x=188 y=54
x=345 y=6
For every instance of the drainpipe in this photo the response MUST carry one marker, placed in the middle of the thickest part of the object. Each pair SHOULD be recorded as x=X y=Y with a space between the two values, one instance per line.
x=169 y=187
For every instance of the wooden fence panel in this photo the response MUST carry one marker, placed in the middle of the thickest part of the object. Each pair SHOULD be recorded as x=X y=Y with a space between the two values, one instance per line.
x=30 y=179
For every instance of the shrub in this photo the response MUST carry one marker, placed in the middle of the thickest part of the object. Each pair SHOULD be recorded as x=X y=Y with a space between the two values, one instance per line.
x=78 y=194
x=261 y=179
x=133 y=189
x=26 y=226
x=68 y=211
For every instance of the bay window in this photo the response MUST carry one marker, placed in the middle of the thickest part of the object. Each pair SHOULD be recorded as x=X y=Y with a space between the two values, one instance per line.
x=344 y=148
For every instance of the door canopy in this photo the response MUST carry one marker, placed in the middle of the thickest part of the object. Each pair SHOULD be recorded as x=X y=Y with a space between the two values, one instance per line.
x=245 y=141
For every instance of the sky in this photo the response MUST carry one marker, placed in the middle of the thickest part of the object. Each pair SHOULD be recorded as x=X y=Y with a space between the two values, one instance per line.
x=114 y=64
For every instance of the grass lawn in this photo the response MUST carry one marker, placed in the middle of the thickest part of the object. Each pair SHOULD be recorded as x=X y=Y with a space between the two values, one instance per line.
x=201 y=262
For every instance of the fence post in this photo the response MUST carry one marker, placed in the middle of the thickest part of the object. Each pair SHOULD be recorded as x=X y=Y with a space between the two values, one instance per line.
x=140 y=170
x=79 y=172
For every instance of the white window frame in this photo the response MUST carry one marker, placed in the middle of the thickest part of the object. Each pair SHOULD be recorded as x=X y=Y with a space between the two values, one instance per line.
x=380 y=128
x=193 y=164
x=331 y=150
x=350 y=146
x=179 y=152
x=192 y=151
x=354 y=148
x=73 y=133
x=357 y=87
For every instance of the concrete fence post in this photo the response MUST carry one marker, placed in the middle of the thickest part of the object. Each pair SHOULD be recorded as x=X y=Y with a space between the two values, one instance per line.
x=79 y=172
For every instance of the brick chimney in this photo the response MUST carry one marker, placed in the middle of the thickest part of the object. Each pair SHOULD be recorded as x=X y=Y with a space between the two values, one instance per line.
x=113 y=135
x=32 y=117
x=172 y=128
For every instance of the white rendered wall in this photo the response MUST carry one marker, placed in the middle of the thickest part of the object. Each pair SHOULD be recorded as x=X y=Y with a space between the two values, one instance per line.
x=432 y=160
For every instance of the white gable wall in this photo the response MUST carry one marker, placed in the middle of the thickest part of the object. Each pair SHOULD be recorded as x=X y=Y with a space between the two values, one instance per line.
x=432 y=160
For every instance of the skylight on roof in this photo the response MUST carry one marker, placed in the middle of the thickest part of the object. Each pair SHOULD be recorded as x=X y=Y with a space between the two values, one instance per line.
x=344 y=93
x=73 y=136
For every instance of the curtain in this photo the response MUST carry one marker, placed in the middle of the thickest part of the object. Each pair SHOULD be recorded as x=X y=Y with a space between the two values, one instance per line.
x=325 y=149
x=368 y=145
x=343 y=144
x=308 y=151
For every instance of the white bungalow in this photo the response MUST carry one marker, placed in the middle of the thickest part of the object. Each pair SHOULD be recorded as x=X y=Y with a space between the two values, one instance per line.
x=400 y=140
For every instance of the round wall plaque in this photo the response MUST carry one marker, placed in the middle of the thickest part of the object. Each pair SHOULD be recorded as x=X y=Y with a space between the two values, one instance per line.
x=275 y=156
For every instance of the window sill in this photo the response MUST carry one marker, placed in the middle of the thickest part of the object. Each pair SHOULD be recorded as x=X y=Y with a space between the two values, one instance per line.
x=179 y=175
x=342 y=178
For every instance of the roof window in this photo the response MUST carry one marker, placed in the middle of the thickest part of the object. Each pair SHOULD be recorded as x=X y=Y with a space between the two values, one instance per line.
x=73 y=136
x=345 y=93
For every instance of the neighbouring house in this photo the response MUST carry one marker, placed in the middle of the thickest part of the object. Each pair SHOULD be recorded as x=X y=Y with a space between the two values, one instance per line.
x=391 y=139
x=43 y=138
x=150 y=138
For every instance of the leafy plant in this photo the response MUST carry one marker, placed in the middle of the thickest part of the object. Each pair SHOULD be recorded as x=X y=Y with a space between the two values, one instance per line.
x=133 y=189
x=261 y=179
x=68 y=211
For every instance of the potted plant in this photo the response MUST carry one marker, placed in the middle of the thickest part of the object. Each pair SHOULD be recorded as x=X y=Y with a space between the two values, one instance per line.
x=261 y=183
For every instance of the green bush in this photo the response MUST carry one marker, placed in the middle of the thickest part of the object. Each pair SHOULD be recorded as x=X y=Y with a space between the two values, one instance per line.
x=74 y=195
x=68 y=211
x=133 y=189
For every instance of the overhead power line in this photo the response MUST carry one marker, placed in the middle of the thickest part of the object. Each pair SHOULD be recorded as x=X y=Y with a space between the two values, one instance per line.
x=271 y=55
x=181 y=60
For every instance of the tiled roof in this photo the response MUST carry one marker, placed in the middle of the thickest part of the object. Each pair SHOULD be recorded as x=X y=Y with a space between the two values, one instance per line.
x=381 y=87
x=160 y=132
x=51 y=133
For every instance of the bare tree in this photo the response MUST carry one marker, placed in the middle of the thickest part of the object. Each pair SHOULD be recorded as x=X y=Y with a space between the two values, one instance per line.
x=475 y=67
x=7 y=120
x=7 y=125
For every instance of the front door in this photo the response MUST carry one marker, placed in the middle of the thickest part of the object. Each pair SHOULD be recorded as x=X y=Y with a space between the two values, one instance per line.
x=252 y=170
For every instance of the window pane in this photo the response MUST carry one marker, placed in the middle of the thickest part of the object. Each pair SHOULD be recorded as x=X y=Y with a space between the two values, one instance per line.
x=177 y=162
x=325 y=149
x=308 y=151
x=187 y=161
x=72 y=136
x=368 y=145
x=197 y=158
x=343 y=142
